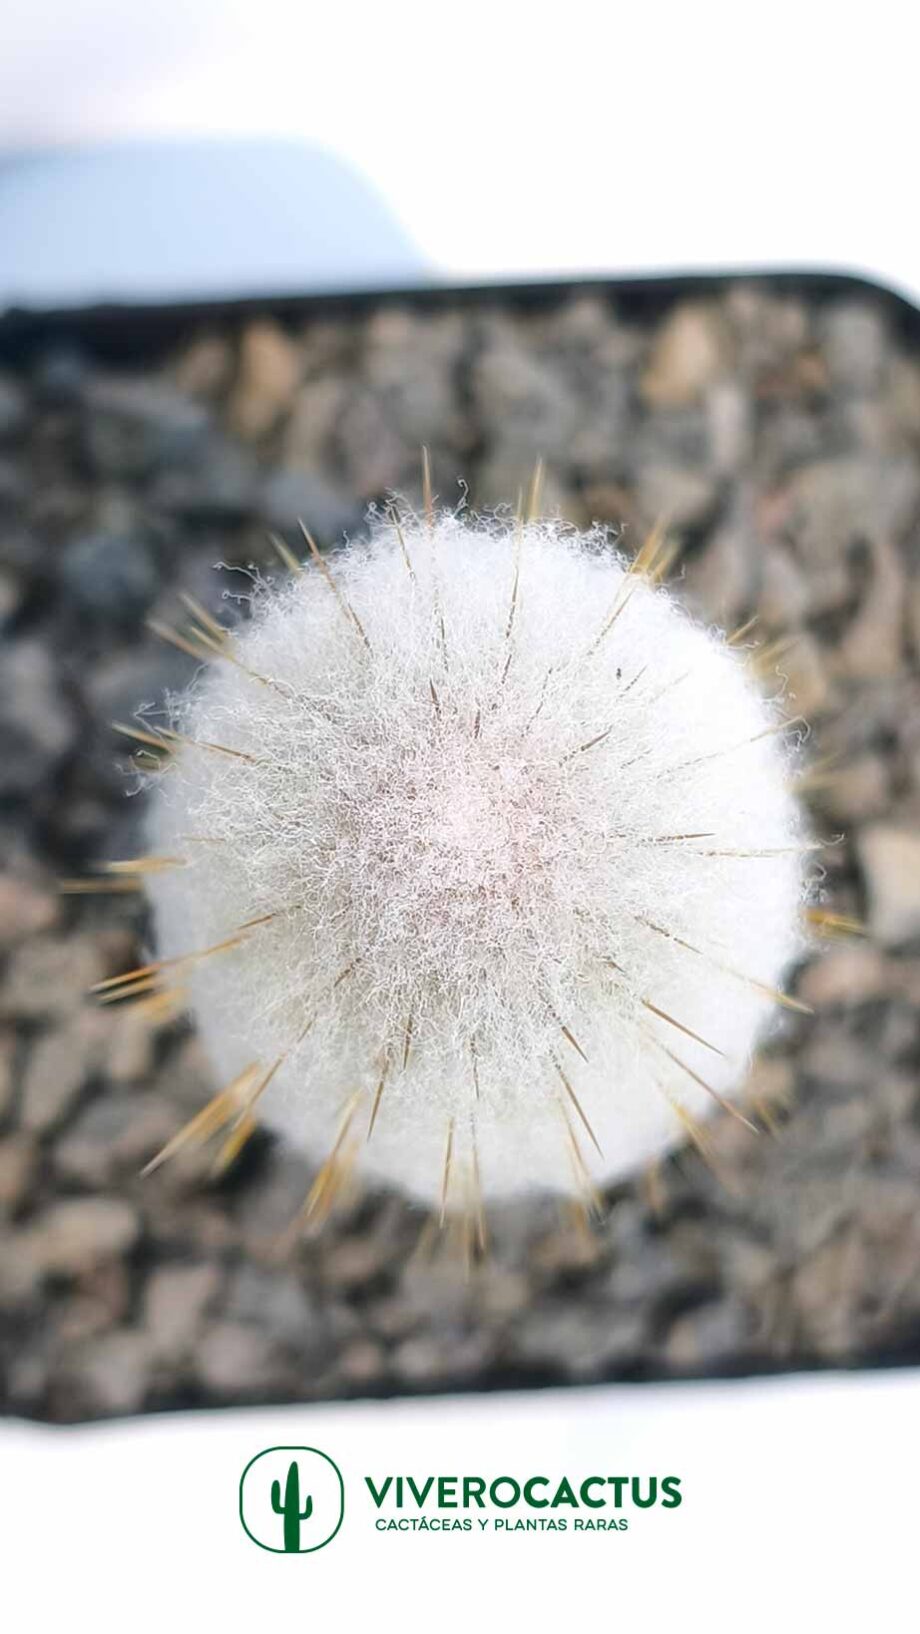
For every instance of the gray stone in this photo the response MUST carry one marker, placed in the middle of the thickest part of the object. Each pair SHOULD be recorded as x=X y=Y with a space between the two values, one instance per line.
x=363 y=1363
x=112 y=1374
x=78 y=1233
x=47 y=977
x=98 y=1301
x=510 y=470
x=205 y=366
x=113 y=1137
x=221 y=486
x=13 y=408
x=586 y=1344
x=235 y=1361
x=289 y=497
x=356 y=1261
x=690 y=353
x=130 y=1048
x=176 y=1300
x=276 y=1304
x=25 y=909
x=409 y=362
x=29 y=1379
x=685 y=496
x=316 y=417
x=854 y=341
x=137 y=425
x=839 y=502
x=20 y=1272
x=108 y=577
x=890 y=860
x=522 y=399
x=823 y=1292
x=857 y=789
x=12 y=594
x=274 y=1199
x=7 y=1055
x=267 y=378
x=872 y=646
x=729 y=414
x=61 y=375
x=843 y=975
x=13 y=492
x=703 y=1338
x=768 y=328
x=785 y=595
x=721 y=583
x=60 y=1064
x=36 y=726
x=18 y=1160
x=420 y=1360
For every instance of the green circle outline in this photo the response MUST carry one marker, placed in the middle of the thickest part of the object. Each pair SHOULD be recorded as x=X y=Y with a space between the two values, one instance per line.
x=317 y=1546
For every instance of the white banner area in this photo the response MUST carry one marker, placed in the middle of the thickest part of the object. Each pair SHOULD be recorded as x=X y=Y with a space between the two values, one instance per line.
x=798 y=1509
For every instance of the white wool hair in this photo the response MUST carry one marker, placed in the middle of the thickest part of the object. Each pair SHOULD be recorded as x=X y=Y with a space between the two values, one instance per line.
x=501 y=839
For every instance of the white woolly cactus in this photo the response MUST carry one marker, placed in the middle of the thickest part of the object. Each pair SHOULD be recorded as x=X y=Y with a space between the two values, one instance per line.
x=490 y=868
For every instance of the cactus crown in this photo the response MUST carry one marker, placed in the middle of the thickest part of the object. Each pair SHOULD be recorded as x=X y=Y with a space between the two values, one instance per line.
x=495 y=851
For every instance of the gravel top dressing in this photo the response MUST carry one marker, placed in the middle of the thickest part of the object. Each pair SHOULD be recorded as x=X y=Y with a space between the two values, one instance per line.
x=776 y=424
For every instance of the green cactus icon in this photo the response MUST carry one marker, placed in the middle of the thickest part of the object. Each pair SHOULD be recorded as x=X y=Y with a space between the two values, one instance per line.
x=290 y=1509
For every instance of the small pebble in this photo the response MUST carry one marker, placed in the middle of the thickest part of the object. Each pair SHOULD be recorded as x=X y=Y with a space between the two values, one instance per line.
x=76 y=1234
x=890 y=859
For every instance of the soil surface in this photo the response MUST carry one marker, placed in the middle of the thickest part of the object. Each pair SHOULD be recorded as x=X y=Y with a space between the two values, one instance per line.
x=778 y=426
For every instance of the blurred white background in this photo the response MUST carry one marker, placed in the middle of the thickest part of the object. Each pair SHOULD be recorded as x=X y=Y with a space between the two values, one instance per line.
x=519 y=140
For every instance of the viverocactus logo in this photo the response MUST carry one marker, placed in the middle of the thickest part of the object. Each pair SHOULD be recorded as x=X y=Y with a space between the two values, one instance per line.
x=507 y=1503
x=292 y=1500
